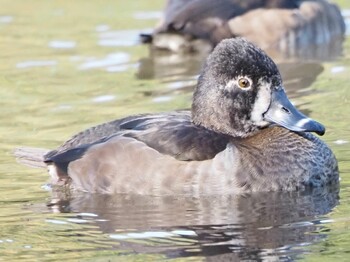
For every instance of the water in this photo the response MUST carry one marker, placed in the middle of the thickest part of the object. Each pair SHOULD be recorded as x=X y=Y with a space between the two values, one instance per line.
x=68 y=65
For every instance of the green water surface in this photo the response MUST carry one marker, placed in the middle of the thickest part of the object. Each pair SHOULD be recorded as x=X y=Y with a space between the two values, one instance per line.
x=68 y=65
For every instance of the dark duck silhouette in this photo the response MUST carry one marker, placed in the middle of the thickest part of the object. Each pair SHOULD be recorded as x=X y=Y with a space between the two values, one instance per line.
x=242 y=135
x=285 y=26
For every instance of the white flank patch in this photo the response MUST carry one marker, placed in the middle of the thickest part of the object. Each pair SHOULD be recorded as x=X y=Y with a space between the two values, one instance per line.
x=262 y=103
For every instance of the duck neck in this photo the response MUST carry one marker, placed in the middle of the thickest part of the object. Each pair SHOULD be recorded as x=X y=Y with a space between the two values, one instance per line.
x=224 y=124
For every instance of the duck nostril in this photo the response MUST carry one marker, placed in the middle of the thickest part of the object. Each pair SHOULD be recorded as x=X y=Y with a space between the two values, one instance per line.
x=286 y=110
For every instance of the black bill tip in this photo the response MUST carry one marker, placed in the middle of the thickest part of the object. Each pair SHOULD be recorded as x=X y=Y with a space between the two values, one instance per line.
x=283 y=113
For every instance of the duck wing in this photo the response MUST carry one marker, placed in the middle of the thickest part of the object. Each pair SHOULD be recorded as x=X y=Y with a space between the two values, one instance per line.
x=170 y=133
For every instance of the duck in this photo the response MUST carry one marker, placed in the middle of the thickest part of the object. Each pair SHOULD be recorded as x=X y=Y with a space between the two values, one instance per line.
x=242 y=135
x=285 y=26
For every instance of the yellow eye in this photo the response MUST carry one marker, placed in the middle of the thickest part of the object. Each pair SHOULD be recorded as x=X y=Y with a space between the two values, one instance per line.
x=243 y=83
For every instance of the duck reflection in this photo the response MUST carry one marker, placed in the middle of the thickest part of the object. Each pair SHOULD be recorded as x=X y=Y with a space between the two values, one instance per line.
x=296 y=34
x=180 y=73
x=273 y=225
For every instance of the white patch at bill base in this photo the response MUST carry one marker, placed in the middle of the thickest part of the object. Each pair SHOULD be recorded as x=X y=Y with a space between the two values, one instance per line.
x=261 y=104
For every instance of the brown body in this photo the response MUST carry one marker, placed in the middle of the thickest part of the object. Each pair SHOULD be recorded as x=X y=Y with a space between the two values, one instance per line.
x=242 y=135
x=268 y=161
x=285 y=26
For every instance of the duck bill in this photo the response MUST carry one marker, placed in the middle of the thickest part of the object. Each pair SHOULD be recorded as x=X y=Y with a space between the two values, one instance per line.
x=283 y=113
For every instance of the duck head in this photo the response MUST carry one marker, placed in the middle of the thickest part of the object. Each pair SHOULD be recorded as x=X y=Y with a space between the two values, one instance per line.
x=240 y=91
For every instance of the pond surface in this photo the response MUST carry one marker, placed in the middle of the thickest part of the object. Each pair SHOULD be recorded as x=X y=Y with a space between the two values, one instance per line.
x=68 y=65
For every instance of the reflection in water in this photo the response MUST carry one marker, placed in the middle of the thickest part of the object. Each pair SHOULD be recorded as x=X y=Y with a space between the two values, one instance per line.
x=117 y=38
x=322 y=52
x=265 y=225
x=181 y=71
x=298 y=76
x=140 y=15
x=165 y=65
x=288 y=29
x=111 y=60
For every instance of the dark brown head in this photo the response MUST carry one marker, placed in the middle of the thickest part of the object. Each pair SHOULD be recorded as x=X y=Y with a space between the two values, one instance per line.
x=240 y=91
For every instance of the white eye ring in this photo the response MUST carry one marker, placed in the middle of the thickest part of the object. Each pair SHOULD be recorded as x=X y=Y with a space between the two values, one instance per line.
x=234 y=83
x=244 y=82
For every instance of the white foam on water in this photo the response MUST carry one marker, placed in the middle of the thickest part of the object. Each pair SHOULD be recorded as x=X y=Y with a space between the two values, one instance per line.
x=62 y=44
x=162 y=99
x=341 y=142
x=6 y=19
x=104 y=98
x=56 y=222
x=36 y=63
x=337 y=69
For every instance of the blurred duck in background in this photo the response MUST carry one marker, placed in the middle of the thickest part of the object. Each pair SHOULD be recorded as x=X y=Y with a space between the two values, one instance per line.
x=289 y=27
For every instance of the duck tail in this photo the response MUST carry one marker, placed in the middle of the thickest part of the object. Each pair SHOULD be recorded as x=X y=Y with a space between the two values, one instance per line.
x=29 y=156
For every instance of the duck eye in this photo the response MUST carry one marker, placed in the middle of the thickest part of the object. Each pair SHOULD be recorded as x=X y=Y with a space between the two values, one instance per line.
x=243 y=83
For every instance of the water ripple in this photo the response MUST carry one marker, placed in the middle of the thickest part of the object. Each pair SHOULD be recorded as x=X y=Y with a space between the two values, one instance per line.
x=102 y=28
x=148 y=15
x=6 y=19
x=62 y=44
x=36 y=63
x=110 y=60
x=119 y=38
x=162 y=99
x=152 y=234
x=104 y=98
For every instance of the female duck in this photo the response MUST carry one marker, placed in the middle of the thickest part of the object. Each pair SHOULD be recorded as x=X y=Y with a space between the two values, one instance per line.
x=242 y=135
x=283 y=25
